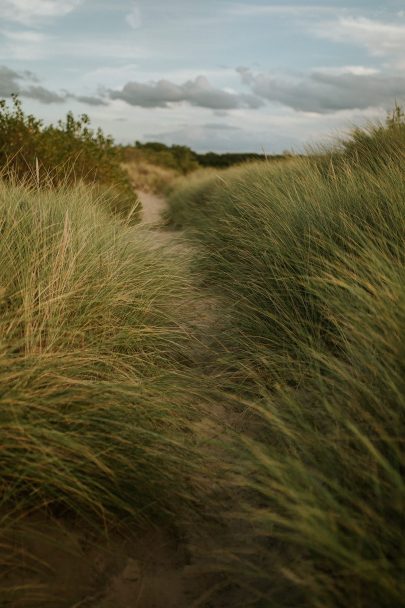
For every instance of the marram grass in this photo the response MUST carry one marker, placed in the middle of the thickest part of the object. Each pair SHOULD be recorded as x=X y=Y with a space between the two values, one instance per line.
x=310 y=256
x=97 y=380
x=101 y=377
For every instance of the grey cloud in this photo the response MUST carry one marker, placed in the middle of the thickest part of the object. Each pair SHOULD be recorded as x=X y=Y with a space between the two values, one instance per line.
x=91 y=100
x=149 y=95
x=246 y=75
x=44 y=95
x=322 y=92
x=28 y=75
x=8 y=82
x=198 y=92
x=21 y=83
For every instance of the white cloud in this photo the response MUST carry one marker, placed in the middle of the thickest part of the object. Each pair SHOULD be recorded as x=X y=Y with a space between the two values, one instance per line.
x=358 y=70
x=378 y=37
x=24 y=44
x=31 y=11
x=134 y=18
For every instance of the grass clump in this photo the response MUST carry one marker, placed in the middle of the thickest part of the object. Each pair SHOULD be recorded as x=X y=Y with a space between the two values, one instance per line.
x=378 y=143
x=311 y=262
x=96 y=369
x=191 y=197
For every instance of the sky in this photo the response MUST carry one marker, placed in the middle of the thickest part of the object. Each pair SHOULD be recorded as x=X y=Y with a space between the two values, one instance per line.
x=221 y=75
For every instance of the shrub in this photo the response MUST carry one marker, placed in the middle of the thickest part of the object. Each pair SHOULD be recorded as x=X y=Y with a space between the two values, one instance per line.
x=66 y=153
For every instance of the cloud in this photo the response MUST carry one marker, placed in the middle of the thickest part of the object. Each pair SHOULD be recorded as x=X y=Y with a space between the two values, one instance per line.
x=29 y=11
x=359 y=70
x=324 y=92
x=21 y=83
x=380 y=38
x=43 y=95
x=134 y=18
x=90 y=100
x=26 y=84
x=197 y=92
x=26 y=45
x=8 y=82
x=221 y=126
x=220 y=113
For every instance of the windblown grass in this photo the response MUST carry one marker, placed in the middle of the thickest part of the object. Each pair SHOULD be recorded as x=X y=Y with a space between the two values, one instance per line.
x=96 y=371
x=101 y=379
x=191 y=197
x=310 y=256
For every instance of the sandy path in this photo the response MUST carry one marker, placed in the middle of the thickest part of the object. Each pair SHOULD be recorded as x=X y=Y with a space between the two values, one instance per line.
x=154 y=569
x=151 y=221
x=152 y=206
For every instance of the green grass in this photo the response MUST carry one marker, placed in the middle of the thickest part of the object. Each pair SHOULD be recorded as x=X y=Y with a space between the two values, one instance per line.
x=309 y=256
x=97 y=370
